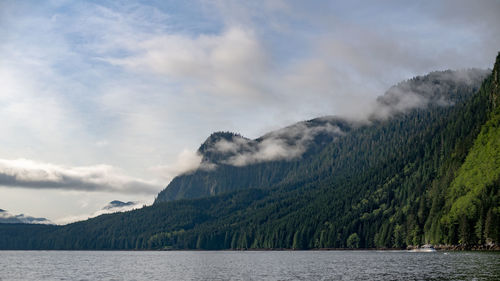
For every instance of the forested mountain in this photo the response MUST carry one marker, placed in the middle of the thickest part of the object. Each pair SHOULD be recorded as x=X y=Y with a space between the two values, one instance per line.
x=424 y=168
x=232 y=162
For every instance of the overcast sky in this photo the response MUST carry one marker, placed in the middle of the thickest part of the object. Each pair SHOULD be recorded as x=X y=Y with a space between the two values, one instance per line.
x=105 y=100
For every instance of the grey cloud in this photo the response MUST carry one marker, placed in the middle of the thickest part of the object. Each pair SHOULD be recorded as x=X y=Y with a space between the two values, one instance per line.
x=340 y=70
x=100 y=178
x=347 y=63
x=482 y=12
x=231 y=63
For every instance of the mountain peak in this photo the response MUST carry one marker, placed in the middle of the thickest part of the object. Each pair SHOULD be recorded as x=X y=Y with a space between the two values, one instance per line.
x=216 y=137
x=220 y=146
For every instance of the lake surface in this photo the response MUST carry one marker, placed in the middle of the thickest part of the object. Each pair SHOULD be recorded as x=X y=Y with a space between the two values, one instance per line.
x=248 y=265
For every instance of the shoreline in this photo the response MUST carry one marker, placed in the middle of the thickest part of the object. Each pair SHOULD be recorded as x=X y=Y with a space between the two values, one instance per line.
x=439 y=248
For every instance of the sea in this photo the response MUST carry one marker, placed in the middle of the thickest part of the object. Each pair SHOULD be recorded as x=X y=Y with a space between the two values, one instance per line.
x=248 y=265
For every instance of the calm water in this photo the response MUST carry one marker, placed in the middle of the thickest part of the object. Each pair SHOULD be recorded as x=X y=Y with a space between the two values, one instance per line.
x=286 y=265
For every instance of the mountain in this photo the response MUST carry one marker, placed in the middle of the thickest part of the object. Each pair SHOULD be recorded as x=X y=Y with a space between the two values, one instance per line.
x=422 y=168
x=233 y=162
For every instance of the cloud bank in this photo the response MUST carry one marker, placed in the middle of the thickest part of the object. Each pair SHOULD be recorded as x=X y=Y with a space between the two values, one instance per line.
x=25 y=173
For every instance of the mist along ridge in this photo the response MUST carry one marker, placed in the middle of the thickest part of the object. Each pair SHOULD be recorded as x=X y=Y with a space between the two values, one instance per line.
x=424 y=167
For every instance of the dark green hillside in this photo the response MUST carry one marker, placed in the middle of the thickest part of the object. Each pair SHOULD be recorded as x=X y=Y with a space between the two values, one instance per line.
x=410 y=176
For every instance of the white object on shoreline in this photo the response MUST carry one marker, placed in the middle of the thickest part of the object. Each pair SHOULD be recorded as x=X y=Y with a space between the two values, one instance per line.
x=427 y=248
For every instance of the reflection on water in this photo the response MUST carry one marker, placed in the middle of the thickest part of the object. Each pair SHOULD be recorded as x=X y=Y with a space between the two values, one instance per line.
x=249 y=265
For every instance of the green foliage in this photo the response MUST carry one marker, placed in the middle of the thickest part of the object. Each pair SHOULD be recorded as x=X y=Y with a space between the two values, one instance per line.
x=474 y=193
x=480 y=170
x=353 y=241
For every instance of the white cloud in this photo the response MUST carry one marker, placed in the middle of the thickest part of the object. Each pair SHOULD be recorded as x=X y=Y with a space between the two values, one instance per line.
x=187 y=161
x=231 y=63
x=102 y=143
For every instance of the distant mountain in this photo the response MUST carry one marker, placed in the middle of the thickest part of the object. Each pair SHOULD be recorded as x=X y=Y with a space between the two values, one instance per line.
x=6 y=217
x=422 y=168
x=118 y=204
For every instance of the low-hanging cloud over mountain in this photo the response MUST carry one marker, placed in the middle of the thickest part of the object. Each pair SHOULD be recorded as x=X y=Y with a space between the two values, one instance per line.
x=117 y=204
x=6 y=217
x=114 y=206
x=25 y=173
x=436 y=88
x=284 y=144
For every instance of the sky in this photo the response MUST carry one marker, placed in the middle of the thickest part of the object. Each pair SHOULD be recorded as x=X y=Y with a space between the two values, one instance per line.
x=109 y=100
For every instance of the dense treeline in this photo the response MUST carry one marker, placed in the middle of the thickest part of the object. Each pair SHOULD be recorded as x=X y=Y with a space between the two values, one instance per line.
x=430 y=175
